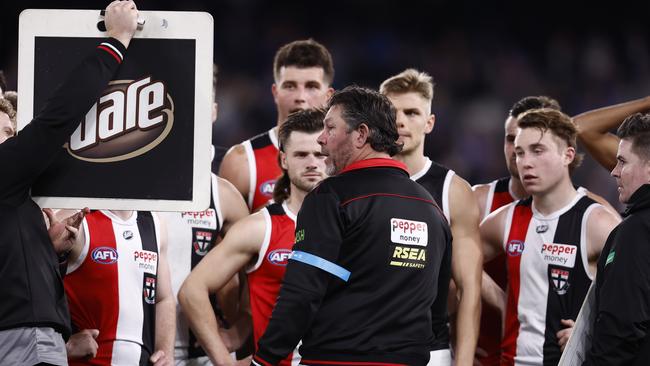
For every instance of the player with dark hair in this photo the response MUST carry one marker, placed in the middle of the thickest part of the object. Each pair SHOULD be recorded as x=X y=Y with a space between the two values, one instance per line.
x=303 y=72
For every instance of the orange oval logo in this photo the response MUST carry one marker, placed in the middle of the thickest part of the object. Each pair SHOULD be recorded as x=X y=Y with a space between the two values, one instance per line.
x=130 y=118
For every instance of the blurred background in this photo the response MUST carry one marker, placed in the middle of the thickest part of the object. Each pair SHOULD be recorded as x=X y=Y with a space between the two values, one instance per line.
x=483 y=55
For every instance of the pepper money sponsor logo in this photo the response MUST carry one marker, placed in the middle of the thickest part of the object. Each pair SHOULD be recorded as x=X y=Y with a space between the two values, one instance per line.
x=559 y=254
x=204 y=219
x=129 y=119
x=414 y=235
x=146 y=260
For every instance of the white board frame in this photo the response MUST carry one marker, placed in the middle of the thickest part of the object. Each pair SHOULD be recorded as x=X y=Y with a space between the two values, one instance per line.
x=158 y=25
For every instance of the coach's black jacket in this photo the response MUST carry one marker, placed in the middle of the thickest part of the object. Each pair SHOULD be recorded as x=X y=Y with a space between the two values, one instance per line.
x=375 y=225
x=622 y=326
x=31 y=290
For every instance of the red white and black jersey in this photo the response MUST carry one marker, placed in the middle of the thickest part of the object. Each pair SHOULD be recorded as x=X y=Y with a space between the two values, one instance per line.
x=265 y=277
x=548 y=278
x=112 y=286
x=498 y=195
x=263 y=168
x=190 y=236
x=436 y=179
x=489 y=339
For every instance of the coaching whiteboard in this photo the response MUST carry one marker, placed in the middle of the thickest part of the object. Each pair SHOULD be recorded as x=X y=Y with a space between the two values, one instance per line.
x=161 y=164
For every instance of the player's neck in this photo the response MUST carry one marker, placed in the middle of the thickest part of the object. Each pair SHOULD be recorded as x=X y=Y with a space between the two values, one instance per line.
x=294 y=202
x=122 y=214
x=556 y=198
x=415 y=161
x=516 y=188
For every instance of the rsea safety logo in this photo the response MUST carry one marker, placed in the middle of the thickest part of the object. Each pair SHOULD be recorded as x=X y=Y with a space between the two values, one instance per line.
x=130 y=118
x=104 y=255
x=279 y=257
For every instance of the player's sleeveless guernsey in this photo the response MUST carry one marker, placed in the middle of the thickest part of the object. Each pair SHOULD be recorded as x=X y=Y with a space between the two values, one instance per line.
x=263 y=168
x=265 y=277
x=112 y=286
x=190 y=236
x=436 y=179
x=489 y=339
x=548 y=278
x=499 y=195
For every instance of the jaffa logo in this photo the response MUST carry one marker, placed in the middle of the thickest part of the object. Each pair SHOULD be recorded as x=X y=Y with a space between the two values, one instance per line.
x=130 y=118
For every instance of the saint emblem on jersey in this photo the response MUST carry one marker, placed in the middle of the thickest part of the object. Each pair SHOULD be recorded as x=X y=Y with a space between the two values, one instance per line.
x=540 y=229
x=267 y=187
x=128 y=234
x=202 y=241
x=515 y=248
x=560 y=279
x=149 y=290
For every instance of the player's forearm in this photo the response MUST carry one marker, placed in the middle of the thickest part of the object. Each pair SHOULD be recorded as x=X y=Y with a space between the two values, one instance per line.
x=166 y=326
x=492 y=293
x=468 y=323
x=196 y=306
x=602 y=120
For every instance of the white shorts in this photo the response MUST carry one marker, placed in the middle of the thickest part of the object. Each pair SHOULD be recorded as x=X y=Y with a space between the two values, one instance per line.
x=441 y=357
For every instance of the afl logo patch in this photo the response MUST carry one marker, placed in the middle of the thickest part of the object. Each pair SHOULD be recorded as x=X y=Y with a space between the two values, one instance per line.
x=279 y=257
x=515 y=248
x=104 y=255
x=267 y=187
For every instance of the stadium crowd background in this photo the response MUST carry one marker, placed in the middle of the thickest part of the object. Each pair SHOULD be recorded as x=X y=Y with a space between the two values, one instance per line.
x=484 y=56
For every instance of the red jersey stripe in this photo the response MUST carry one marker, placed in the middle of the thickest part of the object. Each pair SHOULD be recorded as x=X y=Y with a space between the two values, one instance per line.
x=518 y=229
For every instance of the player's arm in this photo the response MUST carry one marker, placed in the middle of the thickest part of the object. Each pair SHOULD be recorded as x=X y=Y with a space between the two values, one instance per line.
x=234 y=168
x=165 y=306
x=238 y=248
x=480 y=194
x=600 y=223
x=602 y=201
x=466 y=268
x=594 y=127
x=492 y=232
x=232 y=205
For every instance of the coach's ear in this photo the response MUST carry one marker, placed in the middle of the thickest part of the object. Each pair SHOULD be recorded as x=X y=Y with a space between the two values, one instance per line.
x=360 y=135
